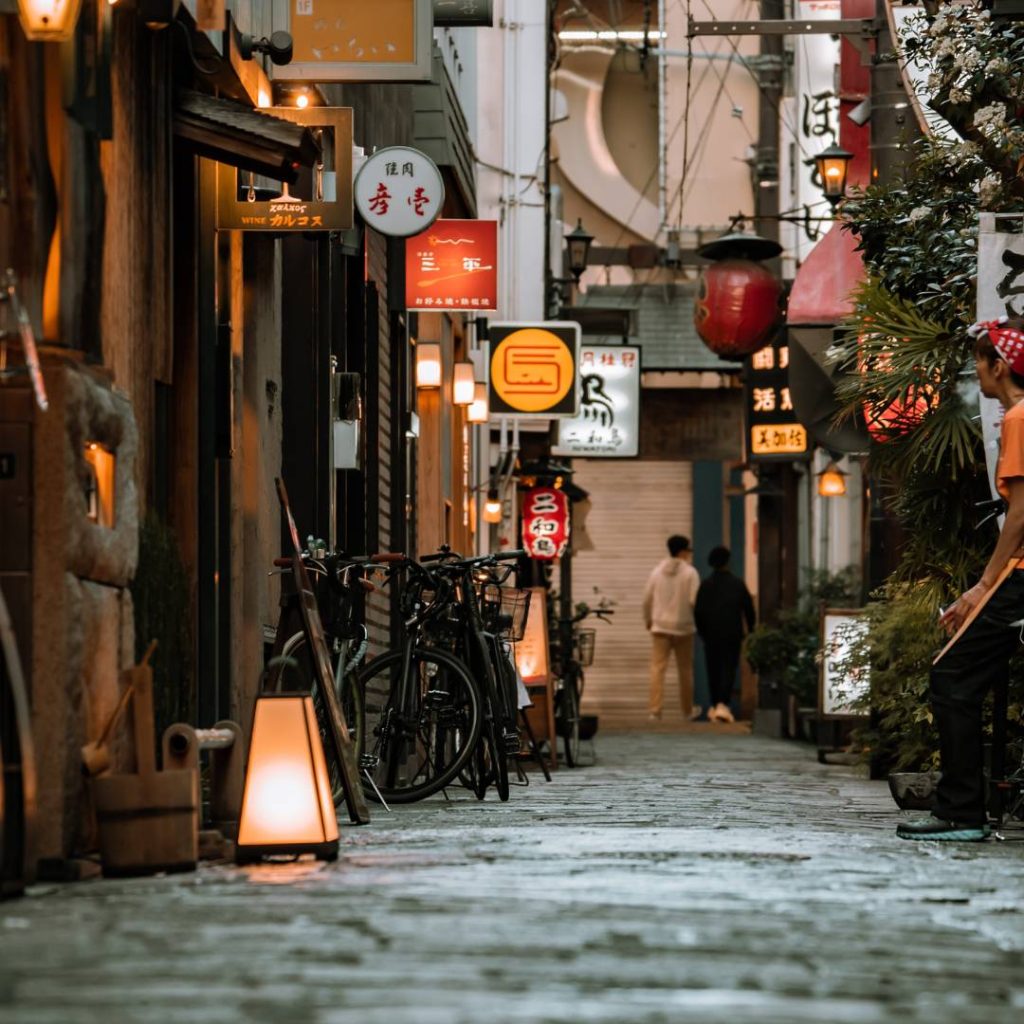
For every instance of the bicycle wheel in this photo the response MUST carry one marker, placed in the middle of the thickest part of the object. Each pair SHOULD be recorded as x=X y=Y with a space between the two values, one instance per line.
x=569 y=724
x=299 y=676
x=416 y=750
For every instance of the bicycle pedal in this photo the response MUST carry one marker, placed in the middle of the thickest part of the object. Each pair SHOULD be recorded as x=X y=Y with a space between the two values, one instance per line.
x=369 y=762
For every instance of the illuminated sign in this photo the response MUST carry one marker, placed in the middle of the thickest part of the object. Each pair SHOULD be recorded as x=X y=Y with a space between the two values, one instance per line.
x=356 y=41
x=533 y=369
x=545 y=523
x=399 y=191
x=321 y=200
x=608 y=424
x=454 y=265
x=773 y=431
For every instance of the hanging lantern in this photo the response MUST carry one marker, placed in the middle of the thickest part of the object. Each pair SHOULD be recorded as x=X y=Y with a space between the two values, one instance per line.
x=48 y=21
x=286 y=805
x=888 y=419
x=492 y=507
x=737 y=310
x=463 y=384
x=832 y=481
x=478 y=411
x=428 y=365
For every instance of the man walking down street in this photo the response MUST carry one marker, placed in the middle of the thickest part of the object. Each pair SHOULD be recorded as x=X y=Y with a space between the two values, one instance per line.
x=723 y=608
x=668 y=614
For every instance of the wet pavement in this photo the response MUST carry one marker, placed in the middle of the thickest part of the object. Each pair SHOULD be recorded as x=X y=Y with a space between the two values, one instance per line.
x=691 y=877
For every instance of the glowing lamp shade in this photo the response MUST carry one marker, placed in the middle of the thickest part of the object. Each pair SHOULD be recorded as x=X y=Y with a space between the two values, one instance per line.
x=492 y=507
x=286 y=806
x=833 y=165
x=478 y=411
x=428 y=365
x=831 y=482
x=463 y=384
x=48 y=21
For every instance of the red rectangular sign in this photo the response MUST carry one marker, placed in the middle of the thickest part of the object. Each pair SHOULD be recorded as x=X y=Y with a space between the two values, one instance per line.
x=453 y=265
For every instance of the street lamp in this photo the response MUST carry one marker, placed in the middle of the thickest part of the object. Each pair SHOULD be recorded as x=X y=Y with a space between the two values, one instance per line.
x=833 y=166
x=478 y=411
x=48 y=21
x=492 y=507
x=428 y=365
x=578 y=243
x=832 y=481
x=463 y=384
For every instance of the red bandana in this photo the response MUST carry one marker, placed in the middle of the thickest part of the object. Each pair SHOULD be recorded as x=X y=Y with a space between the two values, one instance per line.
x=1008 y=341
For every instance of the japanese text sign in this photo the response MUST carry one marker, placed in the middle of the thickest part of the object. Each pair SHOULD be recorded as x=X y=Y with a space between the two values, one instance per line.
x=356 y=41
x=545 y=523
x=608 y=424
x=773 y=430
x=533 y=370
x=321 y=200
x=454 y=265
x=453 y=13
x=399 y=191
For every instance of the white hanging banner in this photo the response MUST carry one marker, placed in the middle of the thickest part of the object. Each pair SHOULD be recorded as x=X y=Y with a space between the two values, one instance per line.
x=399 y=191
x=608 y=424
x=1000 y=293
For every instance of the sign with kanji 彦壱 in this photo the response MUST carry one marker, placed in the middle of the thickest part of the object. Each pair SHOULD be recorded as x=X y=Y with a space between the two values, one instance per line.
x=773 y=431
x=545 y=523
x=608 y=423
x=454 y=265
x=533 y=370
x=399 y=191
x=321 y=200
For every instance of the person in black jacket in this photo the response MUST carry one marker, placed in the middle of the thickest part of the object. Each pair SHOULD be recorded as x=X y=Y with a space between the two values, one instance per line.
x=724 y=607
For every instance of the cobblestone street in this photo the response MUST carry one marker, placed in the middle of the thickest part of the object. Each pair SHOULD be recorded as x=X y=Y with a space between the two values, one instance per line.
x=689 y=877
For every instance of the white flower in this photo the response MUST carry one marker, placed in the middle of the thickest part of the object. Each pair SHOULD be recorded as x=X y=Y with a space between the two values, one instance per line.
x=992 y=116
x=918 y=213
x=988 y=189
x=959 y=95
x=997 y=66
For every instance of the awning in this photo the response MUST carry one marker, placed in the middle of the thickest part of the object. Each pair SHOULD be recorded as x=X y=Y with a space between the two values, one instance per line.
x=818 y=301
x=240 y=136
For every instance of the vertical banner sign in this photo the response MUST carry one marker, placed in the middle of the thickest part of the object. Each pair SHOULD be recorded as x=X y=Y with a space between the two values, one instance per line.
x=533 y=370
x=399 y=191
x=454 y=265
x=608 y=424
x=1000 y=293
x=773 y=432
x=545 y=523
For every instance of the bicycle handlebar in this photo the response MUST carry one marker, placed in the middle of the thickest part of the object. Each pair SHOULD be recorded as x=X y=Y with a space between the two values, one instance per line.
x=387 y=558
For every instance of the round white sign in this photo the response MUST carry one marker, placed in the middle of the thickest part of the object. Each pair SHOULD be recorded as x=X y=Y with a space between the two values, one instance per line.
x=399 y=191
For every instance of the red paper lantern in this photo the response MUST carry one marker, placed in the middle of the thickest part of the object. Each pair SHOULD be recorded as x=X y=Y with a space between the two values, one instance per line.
x=886 y=420
x=545 y=523
x=737 y=308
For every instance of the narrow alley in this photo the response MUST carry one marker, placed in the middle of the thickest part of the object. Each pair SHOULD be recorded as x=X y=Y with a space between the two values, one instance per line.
x=683 y=877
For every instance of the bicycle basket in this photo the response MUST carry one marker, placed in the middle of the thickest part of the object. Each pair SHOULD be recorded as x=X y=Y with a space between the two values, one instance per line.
x=586 y=641
x=504 y=610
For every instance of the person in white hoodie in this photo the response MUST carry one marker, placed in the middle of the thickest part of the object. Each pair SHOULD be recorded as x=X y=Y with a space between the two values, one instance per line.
x=669 y=598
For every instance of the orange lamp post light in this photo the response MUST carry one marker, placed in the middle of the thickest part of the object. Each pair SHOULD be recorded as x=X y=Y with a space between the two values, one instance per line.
x=286 y=805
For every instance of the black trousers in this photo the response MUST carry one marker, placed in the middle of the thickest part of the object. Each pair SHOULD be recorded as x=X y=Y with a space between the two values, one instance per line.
x=723 y=661
x=959 y=684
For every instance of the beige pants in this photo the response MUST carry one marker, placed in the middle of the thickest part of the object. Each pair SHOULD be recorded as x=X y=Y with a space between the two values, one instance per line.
x=682 y=647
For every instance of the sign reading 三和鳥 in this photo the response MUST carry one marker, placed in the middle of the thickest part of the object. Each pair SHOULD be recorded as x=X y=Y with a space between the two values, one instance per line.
x=356 y=41
x=545 y=523
x=399 y=191
x=608 y=424
x=773 y=431
x=321 y=200
x=533 y=370
x=454 y=265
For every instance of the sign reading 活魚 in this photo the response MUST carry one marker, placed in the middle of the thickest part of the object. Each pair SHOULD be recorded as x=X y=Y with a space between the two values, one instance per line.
x=453 y=265
x=534 y=370
x=608 y=423
x=545 y=523
x=773 y=431
x=399 y=191
x=321 y=200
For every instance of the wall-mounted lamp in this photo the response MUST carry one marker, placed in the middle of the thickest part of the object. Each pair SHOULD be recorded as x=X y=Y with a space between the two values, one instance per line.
x=479 y=412
x=302 y=100
x=428 y=365
x=832 y=481
x=578 y=243
x=48 y=21
x=833 y=166
x=463 y=384
x=286 y=806
x=492 y=507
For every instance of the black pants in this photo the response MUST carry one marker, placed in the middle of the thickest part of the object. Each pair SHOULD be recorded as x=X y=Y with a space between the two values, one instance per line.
x=723 y=661
x=959 y=683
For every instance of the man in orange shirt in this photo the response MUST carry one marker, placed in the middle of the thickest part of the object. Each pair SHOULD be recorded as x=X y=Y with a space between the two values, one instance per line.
x=963 y=675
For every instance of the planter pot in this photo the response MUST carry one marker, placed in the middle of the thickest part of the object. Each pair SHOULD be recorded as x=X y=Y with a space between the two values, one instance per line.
x=913 y=791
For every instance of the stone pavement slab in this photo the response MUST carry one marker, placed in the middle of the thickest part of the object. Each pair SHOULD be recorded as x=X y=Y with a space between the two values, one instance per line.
x=697 y=877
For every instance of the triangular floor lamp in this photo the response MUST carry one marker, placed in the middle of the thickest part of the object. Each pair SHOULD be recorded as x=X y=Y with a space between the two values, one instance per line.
x=286 y=805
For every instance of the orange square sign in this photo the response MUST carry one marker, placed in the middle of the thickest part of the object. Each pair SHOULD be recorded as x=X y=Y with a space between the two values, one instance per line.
x=453 y=265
